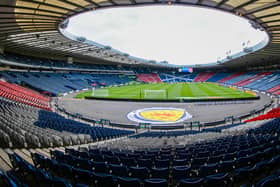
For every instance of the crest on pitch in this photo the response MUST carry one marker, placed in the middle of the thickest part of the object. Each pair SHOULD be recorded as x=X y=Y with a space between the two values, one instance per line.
x=159 y=115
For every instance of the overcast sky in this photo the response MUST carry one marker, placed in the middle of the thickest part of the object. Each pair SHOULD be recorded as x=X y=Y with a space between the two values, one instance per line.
x=179 y=34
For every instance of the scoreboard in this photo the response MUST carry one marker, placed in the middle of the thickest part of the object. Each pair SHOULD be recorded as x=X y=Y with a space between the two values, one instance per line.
x=185 y=70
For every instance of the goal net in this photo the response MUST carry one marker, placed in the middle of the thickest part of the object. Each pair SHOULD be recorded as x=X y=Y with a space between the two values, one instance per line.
x=100 y=92
x=154 y=94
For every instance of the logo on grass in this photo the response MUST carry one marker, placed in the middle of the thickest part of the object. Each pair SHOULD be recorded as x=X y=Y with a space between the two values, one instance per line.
x=159 y=115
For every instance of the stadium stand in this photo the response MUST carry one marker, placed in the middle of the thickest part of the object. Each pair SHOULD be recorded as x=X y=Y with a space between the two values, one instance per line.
x=274 y=113
x=261 y=81
x=40 y=63
x=277 y=92
x=23 y=95
x=176 y=77
x=250 y=79
x=230 y=77
x=246 y=157
x=148 y=78
x=274 y=89
x=59 y=83
x=25 y=126
x=239 y=78
x=217 y=77
x=202 y=77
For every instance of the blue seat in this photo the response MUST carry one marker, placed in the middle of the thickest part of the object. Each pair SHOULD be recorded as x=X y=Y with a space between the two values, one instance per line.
x=104 y=180
x=7 y=181
x=155 y=182
x=180 y=162
x=230 y=156
x=270 y=181
x=261 y=169
x=111 y=159
x=139 y=172
x=197 y=162
x=180 y=172
x=160 y=173
x=65 y=171
x=183 y=155
x=81 y=185
x=148 y=163
x=84 y=163
x=166 y=156
x=100 y=167
x=243 y=174
x=128 y=182
x=97 y=157
x=226 y=165
x=60 y=182
x=162 y=163
x=37 y=159
x=83 y=176
x=42 y=177
x=57 y=155
x=215 y=159
x=118 y=170
x=83 y=154
x=274 y=162
x=219 y=179
x=16 y=162
x=128 y=161
x=208 y=169
x=191 y=182
x=243 y=162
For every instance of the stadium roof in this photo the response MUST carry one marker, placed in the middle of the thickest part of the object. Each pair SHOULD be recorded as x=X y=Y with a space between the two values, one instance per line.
x=33 y=27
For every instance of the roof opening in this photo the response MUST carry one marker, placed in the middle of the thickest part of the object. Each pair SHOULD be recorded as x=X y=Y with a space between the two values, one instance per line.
x=181 y=35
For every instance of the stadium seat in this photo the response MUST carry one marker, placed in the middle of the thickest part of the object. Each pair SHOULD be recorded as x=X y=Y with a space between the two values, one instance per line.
x=191 y=182
x=139 y=172
x=128 y=182
x=155 y=182
x=83 y=176
x=104 y=180
x=100 y=167
x=270 y=181
x=220 y=179
x=180 y=172
x=180 y=162
x=160 y=173
x=119 y=170
x=162 y=163
x=6 y=181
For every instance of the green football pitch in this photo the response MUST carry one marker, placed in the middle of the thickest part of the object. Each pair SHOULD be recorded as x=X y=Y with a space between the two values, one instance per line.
x=165 y=91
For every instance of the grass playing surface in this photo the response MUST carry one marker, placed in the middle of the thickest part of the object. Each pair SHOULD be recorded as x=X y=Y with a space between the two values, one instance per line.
x=173 y=91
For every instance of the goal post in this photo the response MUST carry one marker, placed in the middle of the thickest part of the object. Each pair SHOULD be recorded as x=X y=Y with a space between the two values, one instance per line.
x=100 y=92
x=154 y=94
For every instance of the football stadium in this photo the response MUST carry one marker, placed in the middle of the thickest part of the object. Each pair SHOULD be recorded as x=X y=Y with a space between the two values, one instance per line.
x=76 y=112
